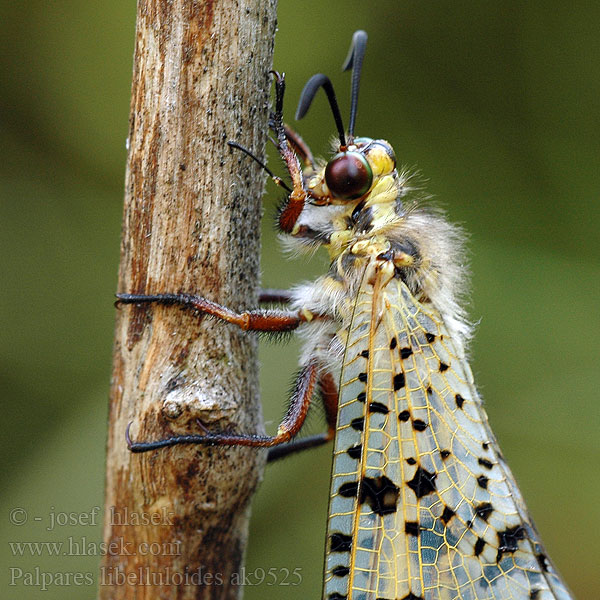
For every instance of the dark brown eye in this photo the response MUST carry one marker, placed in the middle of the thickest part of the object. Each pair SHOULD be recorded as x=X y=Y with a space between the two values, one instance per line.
x=348 y=175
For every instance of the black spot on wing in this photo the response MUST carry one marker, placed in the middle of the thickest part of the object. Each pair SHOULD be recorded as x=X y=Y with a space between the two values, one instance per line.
x=485 y=446
x=378 y=407
x=447 y=515
x=355 y=451
x=411 y=461
x=398 y=381
x=419 y=425
x=479 y=546
x=363 y=377
x=336 y=596
x=430 y=337
x=445 y=453
x=542 y=561
x=404 y=416
x=340 y=571
x=339 y=542
x=508 y=540
x=393 y=343
x=411 y=528
x=459 y=400
x=364 y=354
x=349 y=489
x=411 y=596
x=405 y=353
x=484 y=510
x=484 y=462
x=422 y=483
x=534 y=594
x=362 y=396
x=429 y=390
x=443 y=367
x=482 y=481
x=358 y=423
x=380 y=493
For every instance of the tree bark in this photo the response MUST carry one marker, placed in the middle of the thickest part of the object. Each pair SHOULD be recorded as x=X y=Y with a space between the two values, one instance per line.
x=176 y=519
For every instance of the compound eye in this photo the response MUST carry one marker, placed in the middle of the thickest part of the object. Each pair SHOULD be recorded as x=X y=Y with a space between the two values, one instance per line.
x=348 y=175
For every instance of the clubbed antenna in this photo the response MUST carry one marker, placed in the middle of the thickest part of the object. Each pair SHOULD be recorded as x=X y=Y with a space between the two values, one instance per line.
x=306 y=98
x=354 y=60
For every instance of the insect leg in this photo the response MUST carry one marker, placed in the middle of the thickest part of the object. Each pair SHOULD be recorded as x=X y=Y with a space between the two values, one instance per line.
x=275 y=295
x=329 y=397
x=312 y=441
x=288 y=428
x=296 y=201
x=272 y=175
x=254 y=320
x=299 y=146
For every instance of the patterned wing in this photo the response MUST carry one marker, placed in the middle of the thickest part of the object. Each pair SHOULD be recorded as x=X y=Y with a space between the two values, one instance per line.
x=423 y=506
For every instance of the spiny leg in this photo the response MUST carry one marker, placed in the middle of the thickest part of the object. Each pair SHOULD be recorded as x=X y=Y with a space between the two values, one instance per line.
x=297 y=199
x=298 y=145
x=288 y=428
x=254 y=320
x=265 y=295
x=278 y=127
x=329 y=397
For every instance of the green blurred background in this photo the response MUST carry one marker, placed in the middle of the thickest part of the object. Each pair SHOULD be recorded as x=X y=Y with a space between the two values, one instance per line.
x=497 y=106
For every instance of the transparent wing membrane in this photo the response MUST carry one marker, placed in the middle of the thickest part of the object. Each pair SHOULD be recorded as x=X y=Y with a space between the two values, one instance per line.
x=422 y=504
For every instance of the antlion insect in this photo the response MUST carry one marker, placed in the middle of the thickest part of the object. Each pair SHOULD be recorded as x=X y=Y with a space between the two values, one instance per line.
x=423 y=505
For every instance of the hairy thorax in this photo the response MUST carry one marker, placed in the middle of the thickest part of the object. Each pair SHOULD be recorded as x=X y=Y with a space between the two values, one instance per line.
x=384 y=230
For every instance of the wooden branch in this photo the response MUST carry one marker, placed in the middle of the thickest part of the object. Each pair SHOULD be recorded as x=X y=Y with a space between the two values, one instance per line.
x=176 y=519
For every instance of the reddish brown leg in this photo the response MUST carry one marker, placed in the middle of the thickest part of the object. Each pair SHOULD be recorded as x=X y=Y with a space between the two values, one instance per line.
x=258 y=320
x=254 y=320
x=287 y=142
x=329 y=396
x=299 y=146
x=295 y=203
x=288 y=428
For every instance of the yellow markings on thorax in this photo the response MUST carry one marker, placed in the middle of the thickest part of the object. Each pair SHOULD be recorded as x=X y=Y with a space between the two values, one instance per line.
x=372 y=247
x=338 y=242
x=380 y=161
x=384 y=191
